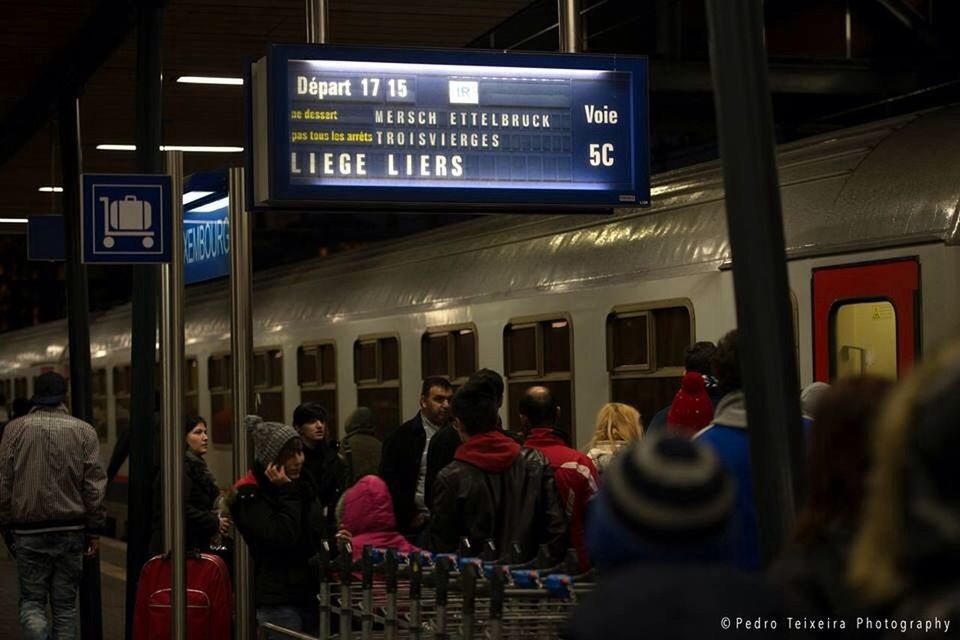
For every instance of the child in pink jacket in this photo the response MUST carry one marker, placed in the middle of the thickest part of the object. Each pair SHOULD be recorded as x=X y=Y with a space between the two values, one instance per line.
x=368 y=517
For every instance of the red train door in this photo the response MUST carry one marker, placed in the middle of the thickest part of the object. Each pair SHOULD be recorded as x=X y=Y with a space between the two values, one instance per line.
x=866 y=318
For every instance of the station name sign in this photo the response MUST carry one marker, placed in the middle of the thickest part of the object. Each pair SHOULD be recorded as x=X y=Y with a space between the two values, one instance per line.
x=349 y=125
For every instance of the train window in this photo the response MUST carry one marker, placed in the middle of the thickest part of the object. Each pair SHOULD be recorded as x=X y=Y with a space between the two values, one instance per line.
x=19 y=387
x=317 y=377
x=121 y=398
x=268 y=384
x=645 y=349
x=450 y=352
x=539 y=351
x=219 y=384
x=5 y=389
x=864 y=339
x=376 y=365
x=191 y=383
x=98 y=393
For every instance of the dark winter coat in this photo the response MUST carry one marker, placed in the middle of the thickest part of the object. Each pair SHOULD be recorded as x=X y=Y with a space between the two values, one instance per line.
x=814 y=578
x=361 y=452
x=496 y=489
x=400 y=466
x=200 y=491
x=325 y=470
x=282 y=526
x=440 y=453
x=671 y=602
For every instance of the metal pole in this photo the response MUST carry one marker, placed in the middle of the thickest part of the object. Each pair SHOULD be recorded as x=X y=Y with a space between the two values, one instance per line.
x=241 y=346
x=78 y=329
x=318 y=21
x=144 y=316
x=171 y=345
x=568 y=12
x=767 y=360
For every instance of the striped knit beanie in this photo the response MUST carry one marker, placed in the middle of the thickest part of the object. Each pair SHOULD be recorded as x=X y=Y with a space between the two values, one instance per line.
x=269 y=438
x=668 y=489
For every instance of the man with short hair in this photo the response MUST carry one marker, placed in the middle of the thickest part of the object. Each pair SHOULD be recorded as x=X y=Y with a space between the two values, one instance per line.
x=321 y=460
x=573 y=472
x=51 y=499
x=403 y=463
x=494 y=488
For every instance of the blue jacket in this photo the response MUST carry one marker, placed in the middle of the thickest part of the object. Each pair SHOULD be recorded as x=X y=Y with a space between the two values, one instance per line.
x=728 y=438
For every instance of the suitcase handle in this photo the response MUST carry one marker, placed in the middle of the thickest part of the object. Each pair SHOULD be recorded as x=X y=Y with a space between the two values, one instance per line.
x=130 y=198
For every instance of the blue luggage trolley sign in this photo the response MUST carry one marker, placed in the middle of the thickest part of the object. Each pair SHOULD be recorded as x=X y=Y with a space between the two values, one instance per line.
x=126 y=218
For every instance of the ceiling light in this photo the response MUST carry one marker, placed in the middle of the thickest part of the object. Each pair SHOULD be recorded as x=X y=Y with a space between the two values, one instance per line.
x=195 y=195
x=50 y=189
x=210 y=80
x=216 y=205
x=13 y=221
x=172 y=147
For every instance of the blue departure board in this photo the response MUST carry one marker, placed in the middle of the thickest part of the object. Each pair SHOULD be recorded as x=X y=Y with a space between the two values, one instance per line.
x=346 y=125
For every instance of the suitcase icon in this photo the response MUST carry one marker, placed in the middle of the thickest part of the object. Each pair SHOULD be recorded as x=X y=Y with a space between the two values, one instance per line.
x=128 y=217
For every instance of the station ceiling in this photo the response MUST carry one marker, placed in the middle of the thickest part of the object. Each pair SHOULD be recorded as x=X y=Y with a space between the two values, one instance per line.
x=200 y=37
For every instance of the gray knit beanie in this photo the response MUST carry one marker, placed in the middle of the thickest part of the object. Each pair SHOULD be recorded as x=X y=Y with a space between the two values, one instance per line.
x=269 y=438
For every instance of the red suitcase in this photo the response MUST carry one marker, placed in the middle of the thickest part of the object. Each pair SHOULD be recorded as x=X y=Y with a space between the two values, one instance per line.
x=209 y=599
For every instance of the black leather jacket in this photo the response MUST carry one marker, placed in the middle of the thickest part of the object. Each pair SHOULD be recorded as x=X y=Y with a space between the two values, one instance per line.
x=519 y=505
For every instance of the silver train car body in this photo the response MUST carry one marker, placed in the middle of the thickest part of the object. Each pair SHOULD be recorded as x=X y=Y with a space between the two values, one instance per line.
x=877 y=192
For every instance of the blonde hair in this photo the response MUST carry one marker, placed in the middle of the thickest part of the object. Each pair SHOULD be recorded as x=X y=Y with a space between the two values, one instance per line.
x=616 y=422
x=876 y=556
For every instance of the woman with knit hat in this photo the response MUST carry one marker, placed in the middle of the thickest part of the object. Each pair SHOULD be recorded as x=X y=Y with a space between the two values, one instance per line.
x=617 y=426
x=281 y=520
x=691 y=409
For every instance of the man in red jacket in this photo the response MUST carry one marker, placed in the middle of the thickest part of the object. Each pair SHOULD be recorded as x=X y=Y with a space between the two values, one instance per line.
x=574 y=473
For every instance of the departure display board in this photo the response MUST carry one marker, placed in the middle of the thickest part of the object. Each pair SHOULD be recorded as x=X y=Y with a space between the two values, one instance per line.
x=349 y=125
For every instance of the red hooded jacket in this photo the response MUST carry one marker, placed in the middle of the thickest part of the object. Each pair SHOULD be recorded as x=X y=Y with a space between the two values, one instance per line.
x=576 y=479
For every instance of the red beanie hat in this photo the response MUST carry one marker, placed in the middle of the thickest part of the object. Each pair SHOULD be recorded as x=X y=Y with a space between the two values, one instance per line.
x=691 y=409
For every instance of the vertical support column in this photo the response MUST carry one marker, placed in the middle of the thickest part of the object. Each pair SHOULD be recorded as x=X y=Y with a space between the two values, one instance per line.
x=241 y=347
x=571 y=39
x=78 y=329
x=172 y=365
x=318 y=21
x=767 y=360
x=144 y=315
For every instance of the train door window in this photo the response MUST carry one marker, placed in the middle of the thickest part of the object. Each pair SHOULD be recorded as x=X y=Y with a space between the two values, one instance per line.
x=98 y=393
x=268 y=384
x=450 y=352
x=6 y=388
x=219 y=383
x=539 y=351
x=376 y=366
x=20 y=388
x=645 y=350
x=121 y=398
x=317 y=377
x=866 y=318
x=864 y=339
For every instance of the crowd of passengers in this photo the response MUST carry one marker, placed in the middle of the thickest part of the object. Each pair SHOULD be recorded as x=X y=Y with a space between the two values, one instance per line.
x=663 y=514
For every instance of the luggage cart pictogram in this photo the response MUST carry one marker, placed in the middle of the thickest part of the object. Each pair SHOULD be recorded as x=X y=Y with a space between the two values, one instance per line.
x=130 y=217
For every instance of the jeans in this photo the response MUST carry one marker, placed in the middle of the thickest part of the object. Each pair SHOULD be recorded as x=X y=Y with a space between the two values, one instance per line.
x=302 y=619
x=49 y=565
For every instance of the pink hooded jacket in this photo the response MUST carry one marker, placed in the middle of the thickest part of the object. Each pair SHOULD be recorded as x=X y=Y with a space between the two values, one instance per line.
x=368 y=516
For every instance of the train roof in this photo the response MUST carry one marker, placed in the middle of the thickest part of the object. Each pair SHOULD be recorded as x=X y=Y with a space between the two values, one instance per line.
x=889 y=183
